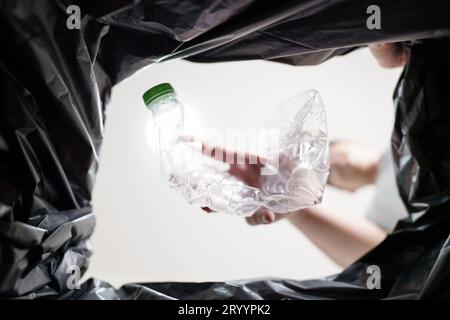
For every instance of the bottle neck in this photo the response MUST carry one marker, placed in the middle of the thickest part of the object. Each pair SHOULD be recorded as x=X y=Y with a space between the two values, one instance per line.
x=163 y=103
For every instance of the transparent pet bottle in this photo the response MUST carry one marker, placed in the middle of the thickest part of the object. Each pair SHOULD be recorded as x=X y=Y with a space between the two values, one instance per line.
x=299 y=165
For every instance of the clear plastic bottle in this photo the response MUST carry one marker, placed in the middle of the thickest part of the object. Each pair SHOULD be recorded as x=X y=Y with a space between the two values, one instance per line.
x=297 y=181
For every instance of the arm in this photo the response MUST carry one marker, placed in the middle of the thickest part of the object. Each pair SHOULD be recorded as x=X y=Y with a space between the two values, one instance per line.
x=343 y=238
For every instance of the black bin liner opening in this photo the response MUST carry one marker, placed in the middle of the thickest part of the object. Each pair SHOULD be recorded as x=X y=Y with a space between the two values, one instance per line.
x=56 y=84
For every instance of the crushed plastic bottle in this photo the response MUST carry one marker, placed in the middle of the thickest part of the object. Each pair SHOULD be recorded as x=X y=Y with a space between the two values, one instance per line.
x=297 y=169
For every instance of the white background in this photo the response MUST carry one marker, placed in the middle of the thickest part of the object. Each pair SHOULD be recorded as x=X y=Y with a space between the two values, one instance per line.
x=146 y=232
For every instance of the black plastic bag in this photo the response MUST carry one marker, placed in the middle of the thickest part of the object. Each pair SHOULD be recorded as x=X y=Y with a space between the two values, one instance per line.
x=56 y=82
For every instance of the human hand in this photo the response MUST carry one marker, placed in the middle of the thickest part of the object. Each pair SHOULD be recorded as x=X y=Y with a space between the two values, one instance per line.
x=390 y=55
x=352 y=165
x=249 y=173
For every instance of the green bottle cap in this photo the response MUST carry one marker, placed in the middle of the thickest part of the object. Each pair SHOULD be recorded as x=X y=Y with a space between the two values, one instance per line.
x=156 y=92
